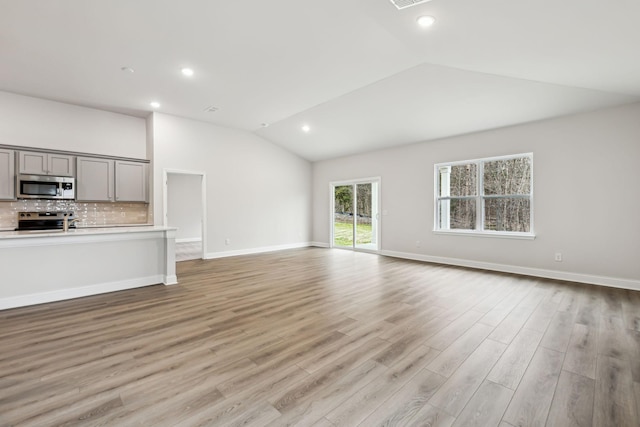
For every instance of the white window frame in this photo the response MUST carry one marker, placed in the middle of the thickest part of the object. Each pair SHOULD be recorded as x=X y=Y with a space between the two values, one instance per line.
x=479 y=200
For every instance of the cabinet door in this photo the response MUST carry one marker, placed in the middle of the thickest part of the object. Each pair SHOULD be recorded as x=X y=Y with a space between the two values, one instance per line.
x=31 y=163
x=7 y=174
x=60 y=165
x=94 y=181
x=131 y=181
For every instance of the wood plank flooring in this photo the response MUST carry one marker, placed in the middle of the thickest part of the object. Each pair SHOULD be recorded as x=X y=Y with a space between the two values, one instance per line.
x=319 y=337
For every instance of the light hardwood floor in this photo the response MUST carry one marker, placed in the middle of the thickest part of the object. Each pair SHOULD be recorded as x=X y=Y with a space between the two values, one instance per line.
x=319 y=337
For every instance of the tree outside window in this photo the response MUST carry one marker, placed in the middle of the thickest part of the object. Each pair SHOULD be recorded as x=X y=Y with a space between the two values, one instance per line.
x=485 y=195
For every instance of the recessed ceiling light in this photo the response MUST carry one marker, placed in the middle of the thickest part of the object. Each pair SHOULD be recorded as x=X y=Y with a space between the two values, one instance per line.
x=187 y=72
x=127 y=69
x=154 y=104
x=264 y=125
x=426 y=21
x=306 y=128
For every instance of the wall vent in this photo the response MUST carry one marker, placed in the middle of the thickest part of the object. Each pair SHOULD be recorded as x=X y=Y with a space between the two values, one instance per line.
x=403 y=4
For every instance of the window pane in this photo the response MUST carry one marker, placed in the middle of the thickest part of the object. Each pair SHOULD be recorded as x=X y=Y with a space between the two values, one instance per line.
x=364 y=206
x=458 y=180
x=458 y=214
x=507 y=214
x=507 y=177
x=343 y=216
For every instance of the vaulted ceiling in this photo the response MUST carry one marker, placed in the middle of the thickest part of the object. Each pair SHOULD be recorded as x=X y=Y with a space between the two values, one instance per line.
x=360 y=73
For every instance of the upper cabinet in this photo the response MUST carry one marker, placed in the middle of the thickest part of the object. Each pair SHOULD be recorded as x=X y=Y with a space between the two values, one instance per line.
x=132 y=181
x=34 y=163
x=94 y=182
x=98 y=178
x=7 y=175
x=61 y=165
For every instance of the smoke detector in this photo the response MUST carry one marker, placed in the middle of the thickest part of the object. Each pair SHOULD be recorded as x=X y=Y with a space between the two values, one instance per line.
x=403 y=4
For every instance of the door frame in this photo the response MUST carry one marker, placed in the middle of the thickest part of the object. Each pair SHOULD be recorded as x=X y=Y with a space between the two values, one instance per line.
x=203 y=201
x=332 y=202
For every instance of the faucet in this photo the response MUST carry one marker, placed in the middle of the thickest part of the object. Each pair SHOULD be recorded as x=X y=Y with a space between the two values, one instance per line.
x=66 y=222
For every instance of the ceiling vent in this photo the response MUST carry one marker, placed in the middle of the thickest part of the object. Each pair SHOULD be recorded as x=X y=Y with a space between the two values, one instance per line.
x=403 y=4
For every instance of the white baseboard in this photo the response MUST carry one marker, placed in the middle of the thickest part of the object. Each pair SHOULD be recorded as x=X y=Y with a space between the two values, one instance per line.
x=225 y=254
x=65 y=294
x=189 y=240
x=319 y=244
x=170 y=280
x=612 y=282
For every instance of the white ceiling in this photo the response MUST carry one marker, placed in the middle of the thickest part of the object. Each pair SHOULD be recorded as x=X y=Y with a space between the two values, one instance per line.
x=360 y=73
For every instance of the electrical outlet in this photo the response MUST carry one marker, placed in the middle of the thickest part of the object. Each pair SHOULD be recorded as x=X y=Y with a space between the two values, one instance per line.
x=227 y=241
x=558 y=257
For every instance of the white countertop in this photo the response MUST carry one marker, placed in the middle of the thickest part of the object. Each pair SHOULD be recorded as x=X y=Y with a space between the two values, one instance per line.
x=24 y=234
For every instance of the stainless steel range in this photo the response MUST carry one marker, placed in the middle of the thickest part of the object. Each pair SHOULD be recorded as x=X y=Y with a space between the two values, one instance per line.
x=45 y=220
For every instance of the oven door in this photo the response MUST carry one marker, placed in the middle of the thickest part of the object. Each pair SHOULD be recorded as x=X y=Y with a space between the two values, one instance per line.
x=42 y=224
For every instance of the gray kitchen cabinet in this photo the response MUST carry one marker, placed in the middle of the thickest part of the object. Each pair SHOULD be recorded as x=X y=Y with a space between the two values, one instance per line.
x=7 y=175
x=35 y=163
x=131 y=181
x=61 y=165
x=94 y=180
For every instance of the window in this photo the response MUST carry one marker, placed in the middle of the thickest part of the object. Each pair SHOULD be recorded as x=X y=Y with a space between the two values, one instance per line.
x=490 y=196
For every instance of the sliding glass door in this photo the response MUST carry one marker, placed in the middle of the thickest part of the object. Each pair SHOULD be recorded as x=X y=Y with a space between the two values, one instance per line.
x=355 y=215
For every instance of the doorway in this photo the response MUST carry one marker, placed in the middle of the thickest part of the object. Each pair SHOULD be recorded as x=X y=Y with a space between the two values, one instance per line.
x=185 y=209
x=355 y=214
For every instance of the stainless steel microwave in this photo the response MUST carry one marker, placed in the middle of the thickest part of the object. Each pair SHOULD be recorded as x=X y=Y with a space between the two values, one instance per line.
x=45 y=187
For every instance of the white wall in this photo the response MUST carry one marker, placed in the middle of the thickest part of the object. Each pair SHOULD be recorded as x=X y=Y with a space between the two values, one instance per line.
x=184 y=208
x=258 y=194
x=586 y=174
x=38 y=123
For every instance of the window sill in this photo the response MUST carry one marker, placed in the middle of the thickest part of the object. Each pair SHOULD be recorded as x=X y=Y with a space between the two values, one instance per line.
x=495 y=234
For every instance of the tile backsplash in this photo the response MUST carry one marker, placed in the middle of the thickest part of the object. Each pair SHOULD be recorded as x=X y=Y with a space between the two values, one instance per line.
x=90 y=214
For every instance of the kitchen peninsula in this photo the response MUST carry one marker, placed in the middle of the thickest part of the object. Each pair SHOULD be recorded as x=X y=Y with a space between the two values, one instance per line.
x=52 y=265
